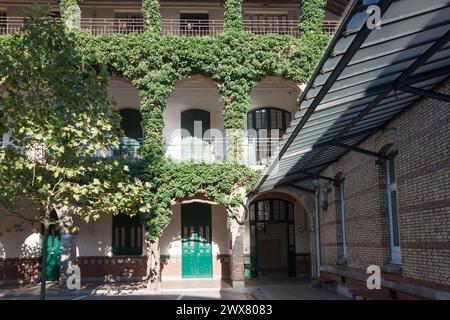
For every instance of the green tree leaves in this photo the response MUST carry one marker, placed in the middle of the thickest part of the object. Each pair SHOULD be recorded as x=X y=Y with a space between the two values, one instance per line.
x=56 y=109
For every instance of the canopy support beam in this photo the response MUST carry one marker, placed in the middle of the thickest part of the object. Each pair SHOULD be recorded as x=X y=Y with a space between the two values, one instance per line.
x=360 y=150
x=426 y=93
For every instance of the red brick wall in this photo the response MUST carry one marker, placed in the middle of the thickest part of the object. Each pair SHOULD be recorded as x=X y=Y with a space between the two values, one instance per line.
x=112 y=267
x=23 y=270
x=422 y=137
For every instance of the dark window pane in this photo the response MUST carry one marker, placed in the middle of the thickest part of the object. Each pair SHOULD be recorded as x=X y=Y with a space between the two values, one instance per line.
x=250 y=121
x=395 y=227
x=127 y=233
x=392 y=170
x=252 y=212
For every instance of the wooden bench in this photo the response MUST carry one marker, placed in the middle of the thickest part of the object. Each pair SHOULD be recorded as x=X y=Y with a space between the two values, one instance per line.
x=365 y=295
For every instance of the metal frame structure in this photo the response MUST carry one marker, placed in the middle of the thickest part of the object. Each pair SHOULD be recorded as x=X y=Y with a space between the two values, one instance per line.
x=366 y=78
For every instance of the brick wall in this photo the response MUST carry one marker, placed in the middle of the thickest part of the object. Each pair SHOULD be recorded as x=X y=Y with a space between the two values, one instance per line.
x=421 y=135
x=113 y=268
x=19 y=270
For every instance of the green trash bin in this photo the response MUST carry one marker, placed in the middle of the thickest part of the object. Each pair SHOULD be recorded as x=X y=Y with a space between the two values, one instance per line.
x=247 y=270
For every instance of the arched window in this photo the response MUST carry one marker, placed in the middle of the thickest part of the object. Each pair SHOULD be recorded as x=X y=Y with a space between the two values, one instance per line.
x=264 y=122
x=269 y=119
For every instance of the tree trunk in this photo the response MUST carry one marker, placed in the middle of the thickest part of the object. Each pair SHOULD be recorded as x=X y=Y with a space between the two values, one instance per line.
x=44 y=263
x=153 y=265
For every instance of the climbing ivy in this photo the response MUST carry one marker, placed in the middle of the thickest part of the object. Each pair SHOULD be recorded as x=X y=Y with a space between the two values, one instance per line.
x=311 y=15
x=151 y=15
x=219 y=182
x=232 y=15
x=67 y=8
x=235 y=60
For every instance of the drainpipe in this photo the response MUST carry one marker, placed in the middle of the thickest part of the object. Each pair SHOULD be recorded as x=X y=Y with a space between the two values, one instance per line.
x=317 y=228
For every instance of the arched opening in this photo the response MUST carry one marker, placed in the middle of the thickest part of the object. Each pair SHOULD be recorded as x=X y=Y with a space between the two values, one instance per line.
x=267 y=125
x=127 y=100
x=194 y=103
x=274 y=103
x=279 y=237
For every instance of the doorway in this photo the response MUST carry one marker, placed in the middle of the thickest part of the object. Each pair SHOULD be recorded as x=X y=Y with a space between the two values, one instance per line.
x=272 y=238
x=53 y=250
x=196 y=235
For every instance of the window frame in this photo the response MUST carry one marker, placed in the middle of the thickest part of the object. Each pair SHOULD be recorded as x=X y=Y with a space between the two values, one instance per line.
x=392 y=201
x=264 y=149
x=122 y=236
x=340 y=193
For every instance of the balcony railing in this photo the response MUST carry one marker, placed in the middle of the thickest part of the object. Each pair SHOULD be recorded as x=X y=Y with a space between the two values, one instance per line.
x=128 y=150
x=196 y=149
x=256 y=151
x=98 y=26
x=10 y=25
x=288 y=27
x=177 y=27
x=330 y=26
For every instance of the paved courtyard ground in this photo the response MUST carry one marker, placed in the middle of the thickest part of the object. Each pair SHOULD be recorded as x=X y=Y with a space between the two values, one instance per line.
x=261 y=289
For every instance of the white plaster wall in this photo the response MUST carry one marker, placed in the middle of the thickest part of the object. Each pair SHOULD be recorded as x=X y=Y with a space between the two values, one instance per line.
x=170 y=241
x=124 y=94
x=95 y=238
x=19 y=244
x=194 y=93
x=276 y=93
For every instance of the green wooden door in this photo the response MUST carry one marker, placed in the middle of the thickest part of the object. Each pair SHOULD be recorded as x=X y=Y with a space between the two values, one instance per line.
x=196 y=240
x=53 y=254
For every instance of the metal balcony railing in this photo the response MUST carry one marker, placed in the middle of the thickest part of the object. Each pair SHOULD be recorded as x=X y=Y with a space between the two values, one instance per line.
x=255 y=151
x=128 y=150
x=10 y=25
x=288 y=27
x=98 y=26
x=330 y=26
x=196 y=149
x=177 y=27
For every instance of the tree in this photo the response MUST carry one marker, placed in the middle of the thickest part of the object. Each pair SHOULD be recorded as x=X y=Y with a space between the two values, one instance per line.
x=56 y=109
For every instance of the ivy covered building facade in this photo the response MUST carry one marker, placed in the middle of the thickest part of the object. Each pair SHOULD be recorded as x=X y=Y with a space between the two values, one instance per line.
x=205 y=90
x=259 y=165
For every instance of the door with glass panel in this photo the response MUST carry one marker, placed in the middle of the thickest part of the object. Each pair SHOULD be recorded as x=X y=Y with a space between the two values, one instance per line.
x=196 y=240
x=263 y=214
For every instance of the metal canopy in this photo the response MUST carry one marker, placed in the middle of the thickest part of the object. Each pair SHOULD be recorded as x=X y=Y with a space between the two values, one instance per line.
x=366 y=77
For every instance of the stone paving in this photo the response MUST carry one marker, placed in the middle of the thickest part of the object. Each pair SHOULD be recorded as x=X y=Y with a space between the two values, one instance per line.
x=256 y=289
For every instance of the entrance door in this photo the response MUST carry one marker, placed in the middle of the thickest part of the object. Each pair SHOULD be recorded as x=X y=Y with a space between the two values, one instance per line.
x=196 y=240
x=53 y=254
x=263 y=214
